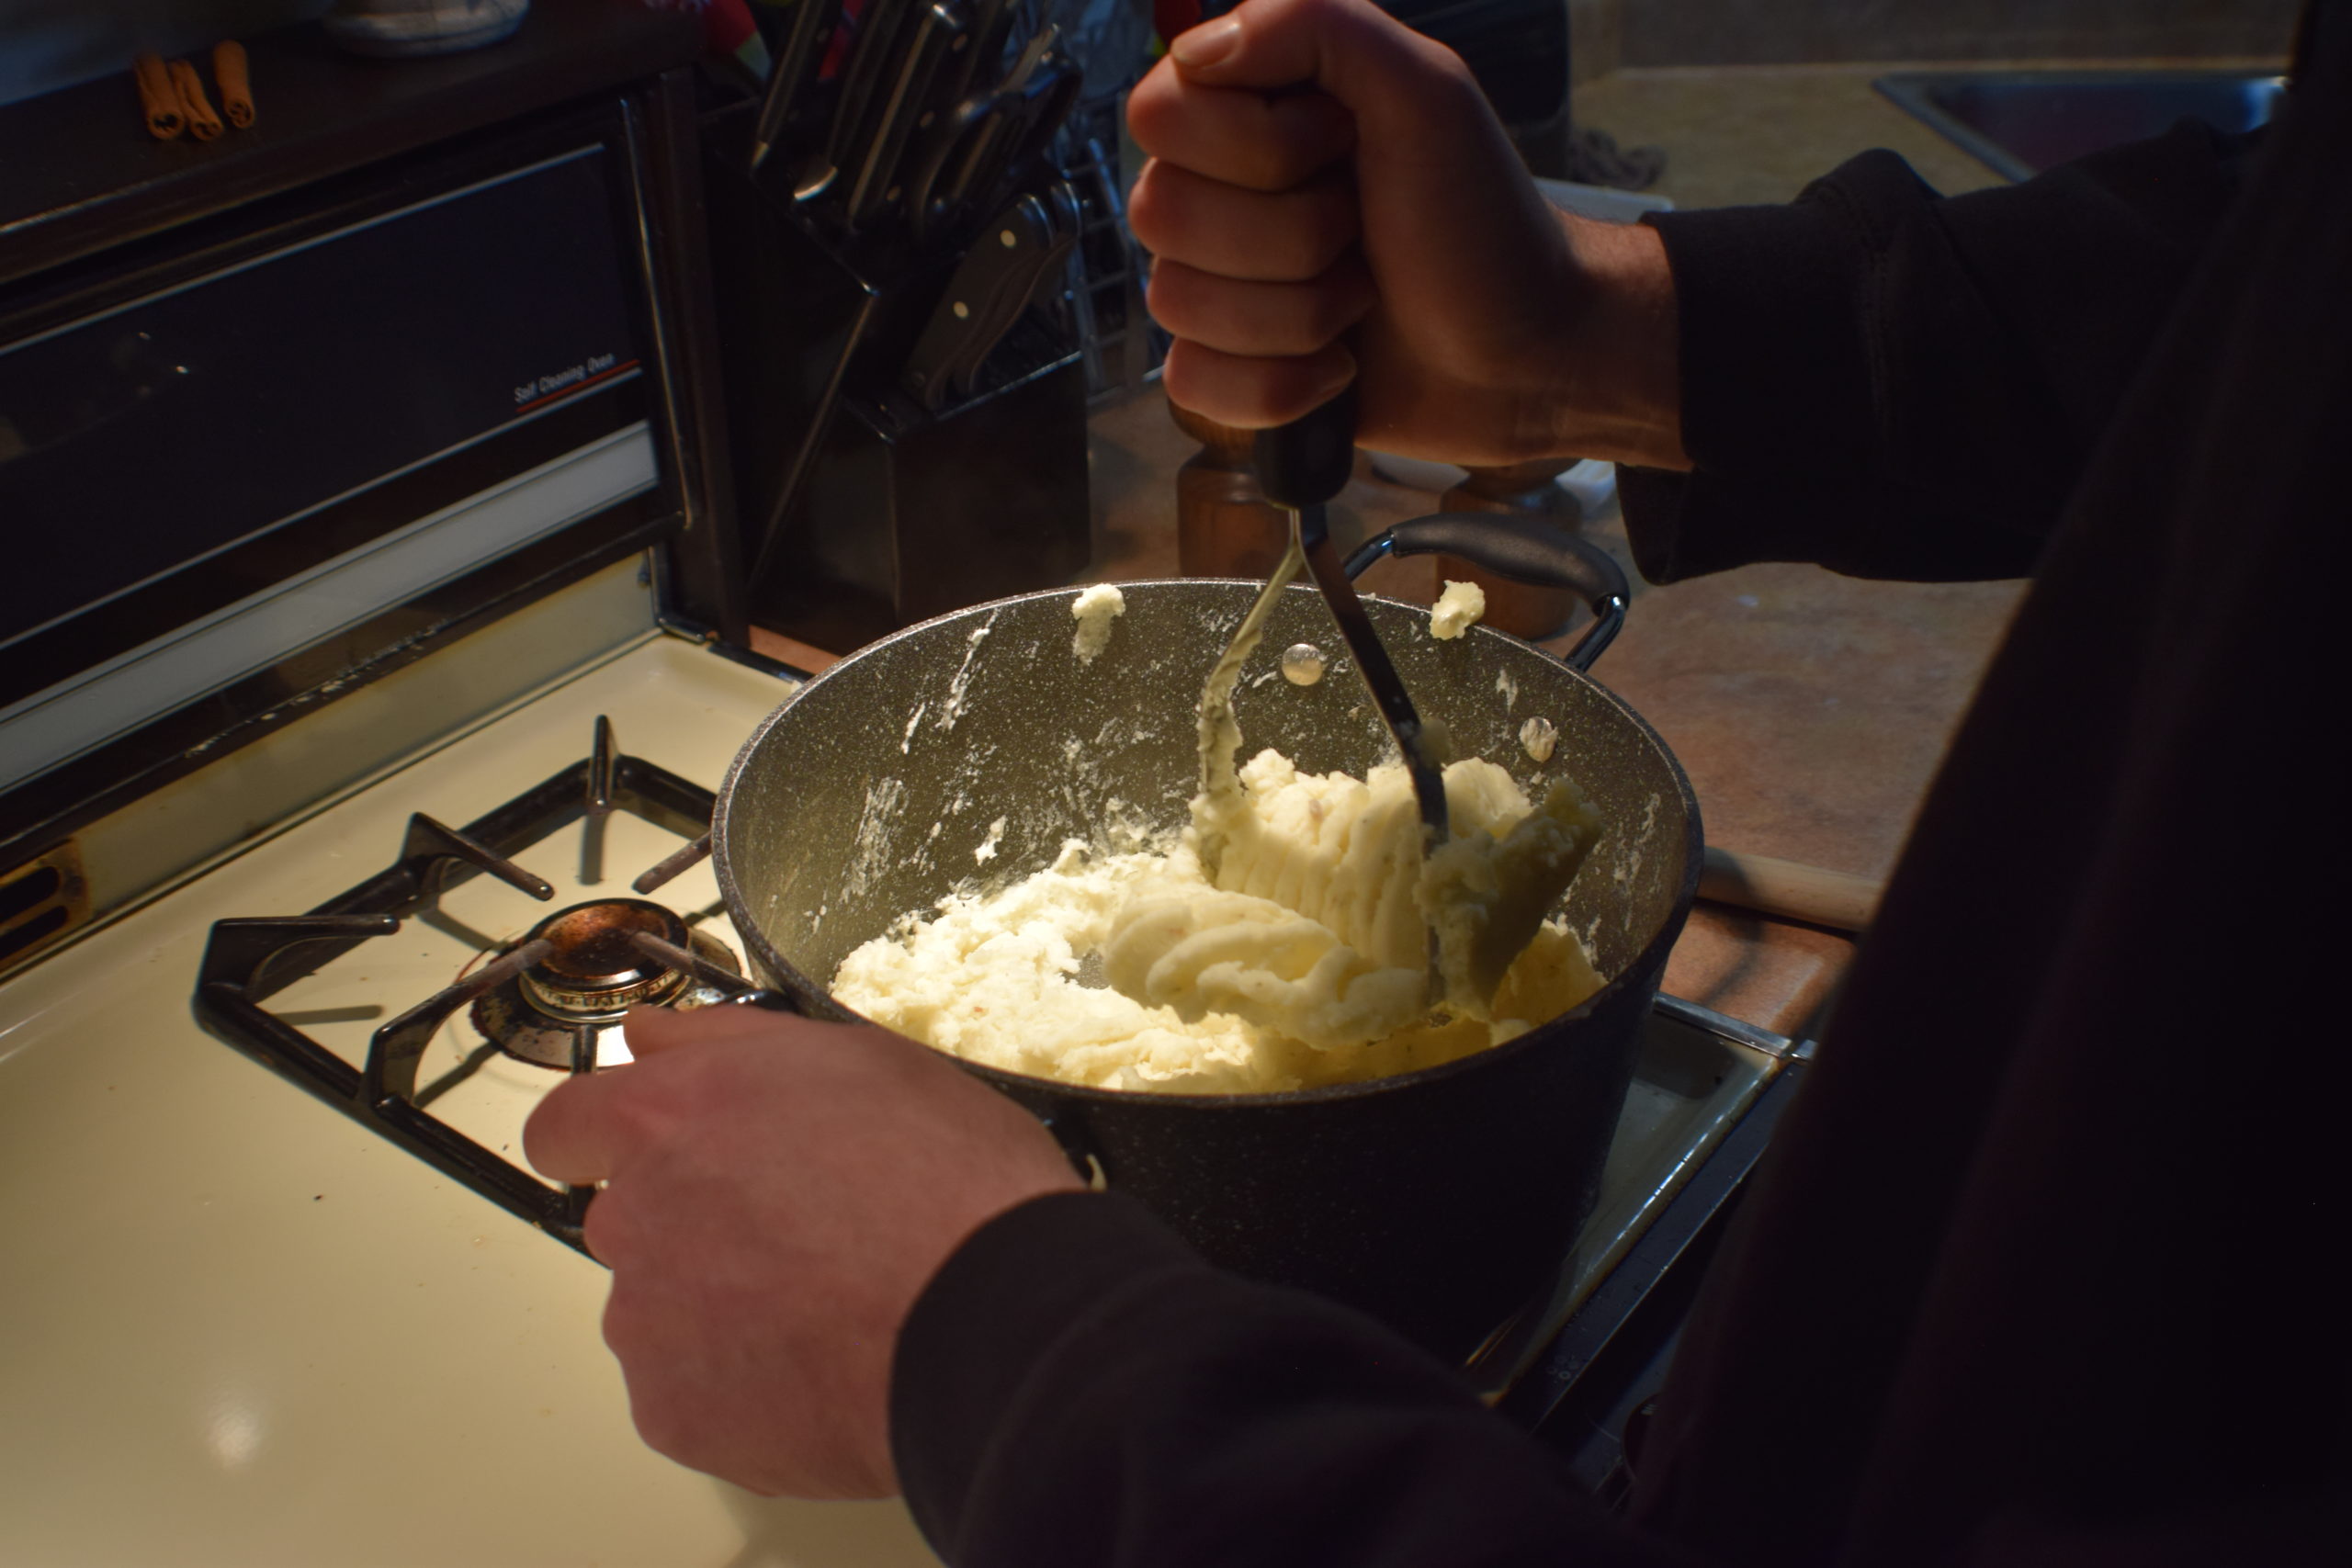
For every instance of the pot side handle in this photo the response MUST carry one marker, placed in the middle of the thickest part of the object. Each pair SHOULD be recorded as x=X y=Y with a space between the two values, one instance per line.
x=767 y=1002
x=1523 y=550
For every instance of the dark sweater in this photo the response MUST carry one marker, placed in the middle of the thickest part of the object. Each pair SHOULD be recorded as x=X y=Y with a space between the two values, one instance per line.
x=2038 y=1269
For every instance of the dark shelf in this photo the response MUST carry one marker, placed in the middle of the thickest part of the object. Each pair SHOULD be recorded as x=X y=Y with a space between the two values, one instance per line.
x=84 y=175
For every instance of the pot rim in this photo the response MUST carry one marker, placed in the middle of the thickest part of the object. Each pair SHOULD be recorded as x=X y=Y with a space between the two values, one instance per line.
x=1642 y=972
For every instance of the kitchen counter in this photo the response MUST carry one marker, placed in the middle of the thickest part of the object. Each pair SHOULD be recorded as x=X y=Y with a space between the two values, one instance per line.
x=1737 y=134
x=1741 y=134
x=1809 y=709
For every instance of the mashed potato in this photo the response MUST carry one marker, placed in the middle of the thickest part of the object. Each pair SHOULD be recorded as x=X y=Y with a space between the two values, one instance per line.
x=997 y=979
x=1302 y=962
x=1456 y=610
x=1094 y=610
x=1283 y=941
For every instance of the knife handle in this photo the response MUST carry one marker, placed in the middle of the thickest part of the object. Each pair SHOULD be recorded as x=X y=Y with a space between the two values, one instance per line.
x=1307 y=461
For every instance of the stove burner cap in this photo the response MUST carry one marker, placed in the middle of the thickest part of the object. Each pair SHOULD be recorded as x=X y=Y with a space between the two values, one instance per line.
x=592 y=975
x=595 y=973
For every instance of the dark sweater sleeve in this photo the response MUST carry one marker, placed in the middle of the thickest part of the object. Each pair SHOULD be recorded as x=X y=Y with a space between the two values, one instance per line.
x=1897 y=384
x=1078 y=1387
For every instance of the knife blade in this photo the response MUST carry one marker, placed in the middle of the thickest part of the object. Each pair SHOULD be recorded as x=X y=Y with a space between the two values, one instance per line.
x=983 y=298
x=940 y=34
x=863 y=80
x=812 y=28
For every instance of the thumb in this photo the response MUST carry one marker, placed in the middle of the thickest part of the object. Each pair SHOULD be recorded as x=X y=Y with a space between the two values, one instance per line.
x=657 y=1030
x=1434 y=165
x=1375 y=65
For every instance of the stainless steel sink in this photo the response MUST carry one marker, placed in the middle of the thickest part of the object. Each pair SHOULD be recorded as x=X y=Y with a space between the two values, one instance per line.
x=2021 y=122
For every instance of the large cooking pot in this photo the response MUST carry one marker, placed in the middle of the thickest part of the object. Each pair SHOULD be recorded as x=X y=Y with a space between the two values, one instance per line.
x=1438 y=1199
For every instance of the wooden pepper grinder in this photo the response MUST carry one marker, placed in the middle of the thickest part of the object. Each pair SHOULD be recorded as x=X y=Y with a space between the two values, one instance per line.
x=1224 y=525
x=1523 y=489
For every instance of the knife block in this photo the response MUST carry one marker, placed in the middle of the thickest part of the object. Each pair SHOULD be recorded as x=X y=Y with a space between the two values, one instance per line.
x=907 y=514
x=860 y=510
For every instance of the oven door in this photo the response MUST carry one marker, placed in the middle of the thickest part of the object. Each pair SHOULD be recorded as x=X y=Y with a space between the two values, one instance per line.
x=278 y=453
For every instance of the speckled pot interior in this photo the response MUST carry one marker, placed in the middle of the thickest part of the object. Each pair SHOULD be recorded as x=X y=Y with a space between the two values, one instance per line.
x=1435 y=1200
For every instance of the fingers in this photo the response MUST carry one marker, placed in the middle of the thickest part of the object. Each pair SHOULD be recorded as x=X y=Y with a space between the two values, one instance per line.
x=1243 y=318
x=1246 y=138
x=587 y=1128
x=572 y=1136
x=1251 y=393
x=1292 y=134
x=1278 y=237
x=1373 y=66
x=581 y=1133
x=655 y=1031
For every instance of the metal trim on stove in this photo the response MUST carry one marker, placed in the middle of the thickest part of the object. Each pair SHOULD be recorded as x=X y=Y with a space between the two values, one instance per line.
x=1778 y=1046
x=1635 y=1290
x=169 y=673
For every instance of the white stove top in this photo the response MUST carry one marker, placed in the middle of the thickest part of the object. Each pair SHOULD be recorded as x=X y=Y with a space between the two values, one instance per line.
x=244 y=1328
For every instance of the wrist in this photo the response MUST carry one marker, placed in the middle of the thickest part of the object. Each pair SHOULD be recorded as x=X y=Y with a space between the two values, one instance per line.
x=1619 y=395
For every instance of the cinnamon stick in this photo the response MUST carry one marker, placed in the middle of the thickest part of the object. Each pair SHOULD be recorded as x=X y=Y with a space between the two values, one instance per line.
x=203 y=123
x=158 y=99
x=228 y=73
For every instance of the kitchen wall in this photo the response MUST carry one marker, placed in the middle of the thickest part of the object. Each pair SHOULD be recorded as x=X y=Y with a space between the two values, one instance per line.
x=1607 y=34
x=1596 y=37
x=55 y=43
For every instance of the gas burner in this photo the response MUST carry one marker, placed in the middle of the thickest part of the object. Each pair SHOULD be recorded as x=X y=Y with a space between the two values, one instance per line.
x=592 y=974
x=552 y=997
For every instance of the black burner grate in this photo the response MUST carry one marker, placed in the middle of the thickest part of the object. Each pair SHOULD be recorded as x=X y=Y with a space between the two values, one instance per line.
x=248 y=961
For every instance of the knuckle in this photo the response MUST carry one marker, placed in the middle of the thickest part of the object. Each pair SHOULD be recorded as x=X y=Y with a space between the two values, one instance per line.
x=625 y=1325
x=1323 y=316
x=668 y=1428
x=1453 y=72
x=1148 y=205
x=1165 y=300
x=1153 y=106
x=1314 y=248
x=605 y=1232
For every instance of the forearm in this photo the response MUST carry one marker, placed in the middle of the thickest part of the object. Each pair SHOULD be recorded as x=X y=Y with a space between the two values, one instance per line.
x=1896 y=384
